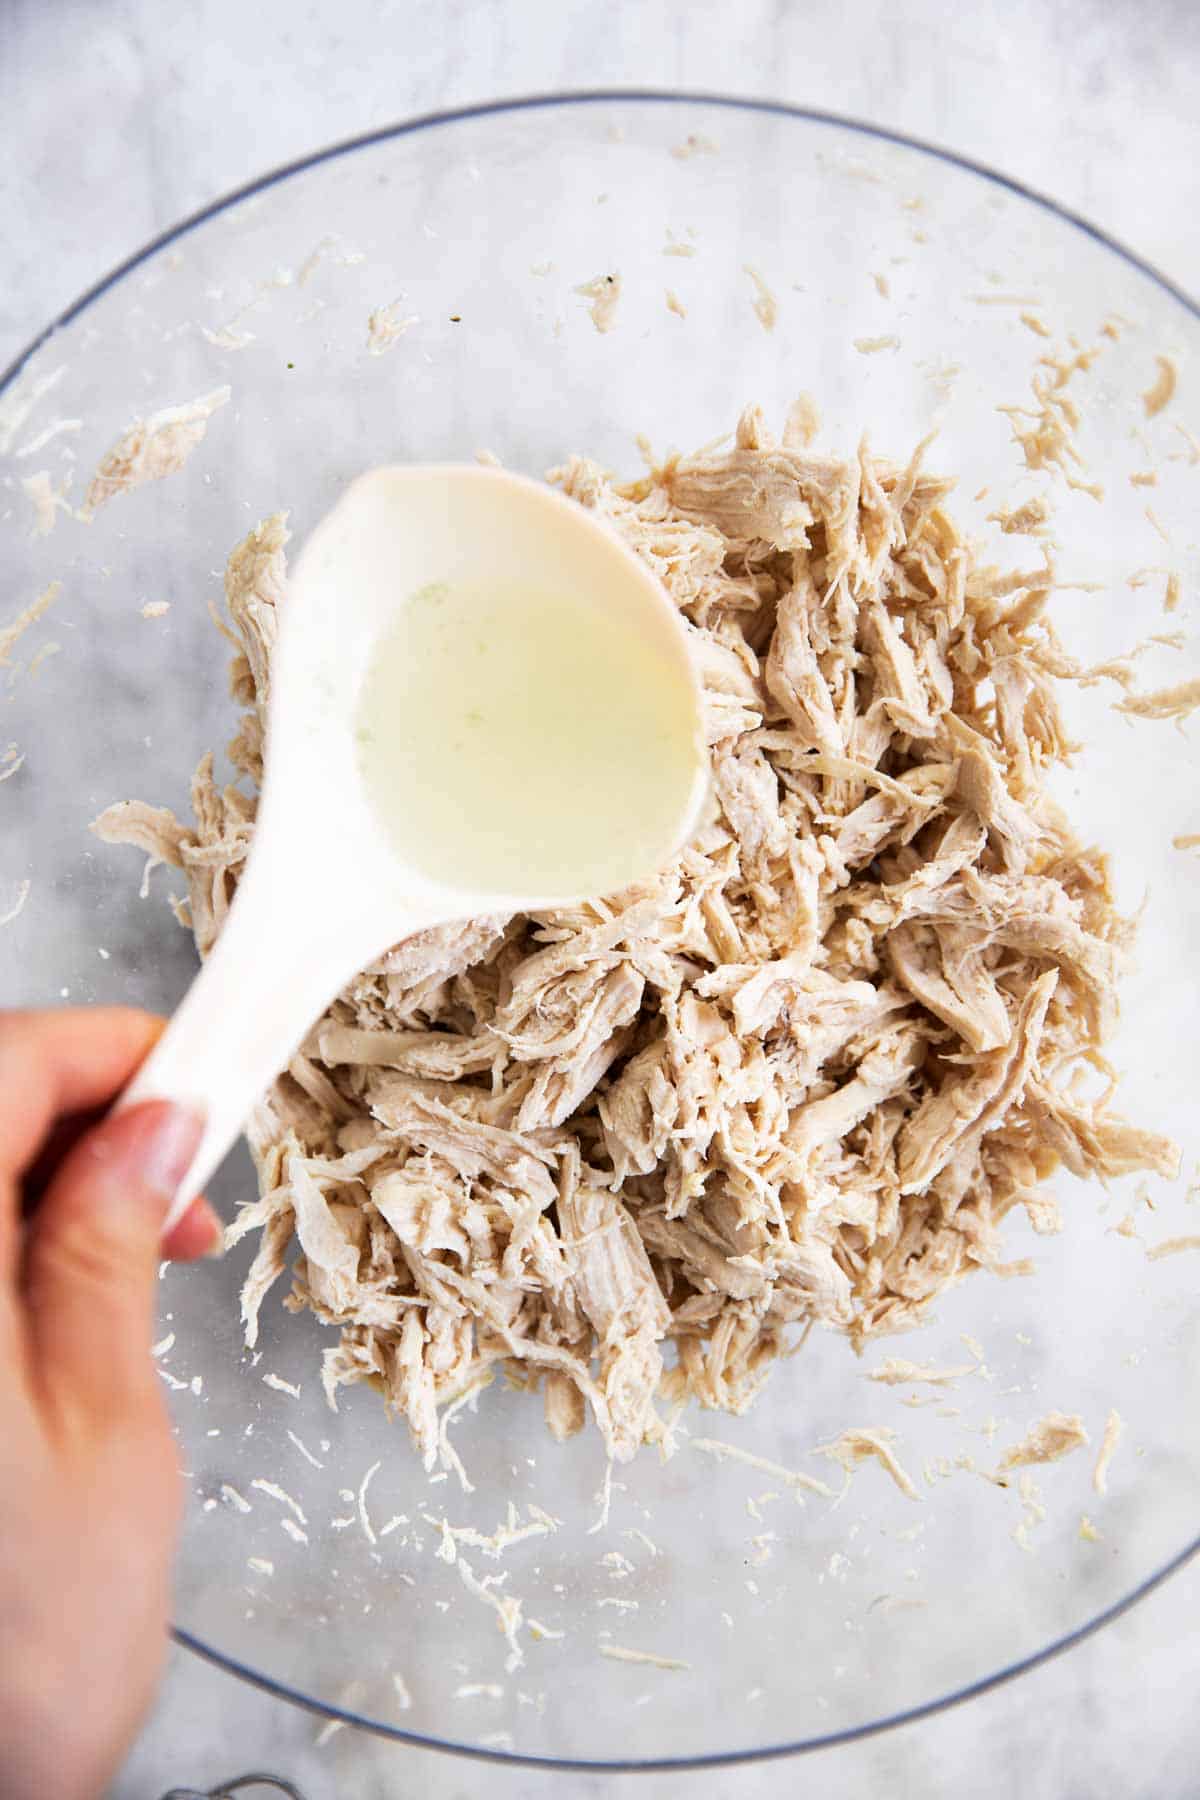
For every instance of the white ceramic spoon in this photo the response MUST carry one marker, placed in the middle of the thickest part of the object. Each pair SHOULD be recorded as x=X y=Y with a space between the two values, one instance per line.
x=481 y=702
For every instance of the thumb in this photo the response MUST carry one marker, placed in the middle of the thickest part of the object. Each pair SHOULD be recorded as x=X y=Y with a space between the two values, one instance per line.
x=91 y=1260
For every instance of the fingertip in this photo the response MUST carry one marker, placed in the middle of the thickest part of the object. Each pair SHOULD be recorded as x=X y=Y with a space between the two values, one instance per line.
x=199 y=1233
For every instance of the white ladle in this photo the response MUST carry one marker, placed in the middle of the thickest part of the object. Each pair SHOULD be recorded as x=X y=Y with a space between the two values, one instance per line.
x=477 y=604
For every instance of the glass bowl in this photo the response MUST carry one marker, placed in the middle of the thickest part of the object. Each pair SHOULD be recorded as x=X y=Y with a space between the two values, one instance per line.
x=900 y=277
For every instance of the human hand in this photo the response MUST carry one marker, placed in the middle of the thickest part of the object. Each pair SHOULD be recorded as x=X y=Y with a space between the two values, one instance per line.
x=89 y=1484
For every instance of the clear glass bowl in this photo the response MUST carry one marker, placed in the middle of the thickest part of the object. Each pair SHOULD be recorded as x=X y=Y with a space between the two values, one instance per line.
x=809 y=1622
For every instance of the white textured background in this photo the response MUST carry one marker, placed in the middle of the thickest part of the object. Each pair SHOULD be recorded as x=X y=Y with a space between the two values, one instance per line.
x=118 y=116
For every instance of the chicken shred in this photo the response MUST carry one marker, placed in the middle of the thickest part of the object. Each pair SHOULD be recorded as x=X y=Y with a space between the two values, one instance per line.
x=766 y=306
x=1114 y=1425
x=152 y=448
x=46 y=500
x=1045 y=431
x=604 y=292
x=1051 y=1438
x=11 y=633
x=386 y=324
x=1162 y=390
x=625 y=1151
x=894 y=1371
x=859 y=1444
x=1176 y=702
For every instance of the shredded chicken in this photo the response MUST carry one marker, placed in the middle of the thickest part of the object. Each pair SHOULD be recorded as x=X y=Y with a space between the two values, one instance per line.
x=331 y=249
x=152 y=448
x=604 y=291
x=1033 y=1513
x=619 y=1653
x=1191 y=454
x=1045 y=431
x=896 y=1371
x=46 y=500
x=802 y=424
x=791 y=1478
x=228 y=337
x=11 y=634
x=1113 y=1427
x=766 y=306
x=1053 y=1437
x=1162 y=390
x=857 y=1445
x=386 y=324
x=1028 y=520
x=1172 y=1246
x=1176 y=702
x=625 y=1151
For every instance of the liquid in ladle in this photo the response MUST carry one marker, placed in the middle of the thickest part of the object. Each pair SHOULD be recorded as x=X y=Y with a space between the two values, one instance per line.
x=514 y=741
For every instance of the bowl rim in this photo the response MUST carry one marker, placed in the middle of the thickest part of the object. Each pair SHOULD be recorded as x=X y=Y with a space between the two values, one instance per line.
x=681 y=98
x=592 y=97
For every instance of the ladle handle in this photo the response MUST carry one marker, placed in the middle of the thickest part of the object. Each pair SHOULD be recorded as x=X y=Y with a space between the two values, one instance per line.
x=270 y=974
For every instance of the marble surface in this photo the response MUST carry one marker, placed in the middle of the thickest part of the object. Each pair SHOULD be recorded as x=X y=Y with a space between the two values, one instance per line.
x=128 y=118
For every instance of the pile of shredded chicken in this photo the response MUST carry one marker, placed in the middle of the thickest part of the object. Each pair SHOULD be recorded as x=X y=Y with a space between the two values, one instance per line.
x=799 y=1078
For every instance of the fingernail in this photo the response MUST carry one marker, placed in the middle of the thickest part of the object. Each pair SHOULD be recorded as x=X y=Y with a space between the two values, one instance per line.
x=203 y=1227
x=164 y=1142
x=205 y=1212
x=198 y=1233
